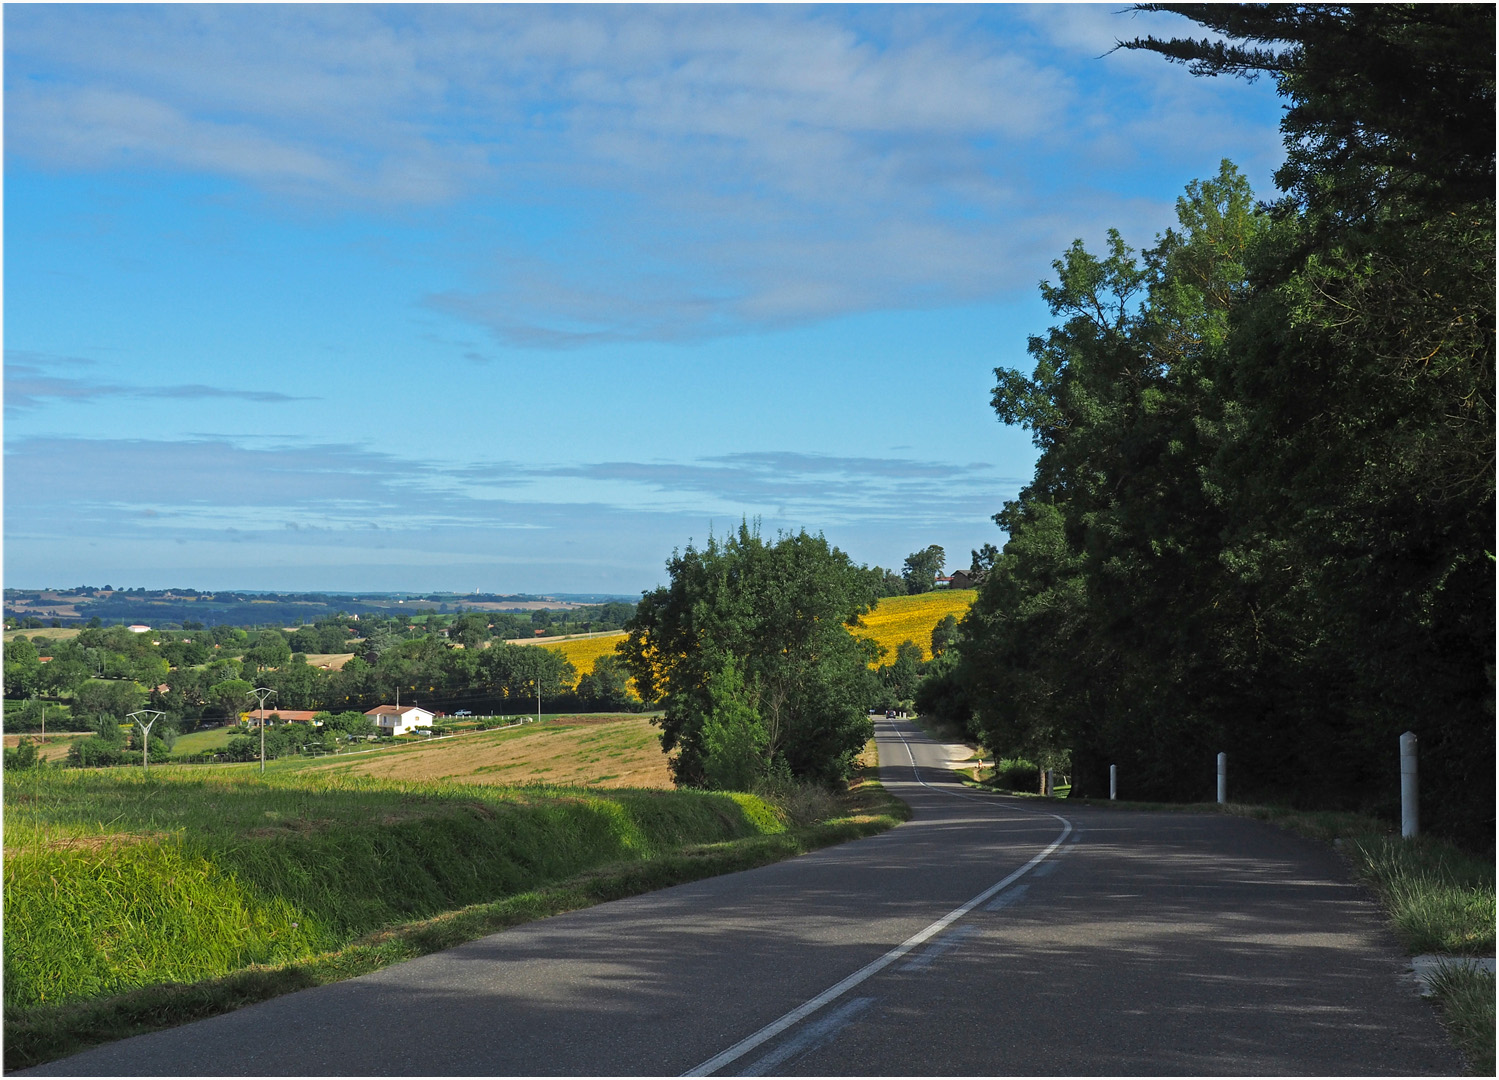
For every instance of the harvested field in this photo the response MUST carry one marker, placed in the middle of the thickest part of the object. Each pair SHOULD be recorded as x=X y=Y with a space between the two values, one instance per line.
x=332 y=661
x=51 y=633
x=54 y=748
x=584 y=751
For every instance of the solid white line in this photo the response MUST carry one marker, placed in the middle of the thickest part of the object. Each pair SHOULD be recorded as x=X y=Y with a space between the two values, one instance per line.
x=801 y=1012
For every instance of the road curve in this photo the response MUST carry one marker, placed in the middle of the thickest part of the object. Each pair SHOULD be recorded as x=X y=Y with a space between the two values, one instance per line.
x=986 y=936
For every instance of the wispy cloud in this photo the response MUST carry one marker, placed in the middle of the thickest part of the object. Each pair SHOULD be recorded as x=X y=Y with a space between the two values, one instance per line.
x=697 y=171
x=29 y=384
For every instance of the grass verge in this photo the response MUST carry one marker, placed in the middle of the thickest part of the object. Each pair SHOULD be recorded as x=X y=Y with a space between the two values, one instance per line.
x=38 y=1033
x=1466 y=997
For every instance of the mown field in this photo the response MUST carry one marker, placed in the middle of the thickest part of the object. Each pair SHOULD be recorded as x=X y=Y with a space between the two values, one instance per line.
x=589 y=750
x=912 y=618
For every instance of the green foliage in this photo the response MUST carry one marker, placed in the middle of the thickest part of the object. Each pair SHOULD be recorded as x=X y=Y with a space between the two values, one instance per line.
x=778 y=611
x=1261 y=518
x=922 y=568
x=21 y=756
x=902 y=675
x=607 y=686
x=23 y=667
x=1439 y=900
x=733 y=737
x=111 y=700
x=1016 y=774
x=1467 y=1000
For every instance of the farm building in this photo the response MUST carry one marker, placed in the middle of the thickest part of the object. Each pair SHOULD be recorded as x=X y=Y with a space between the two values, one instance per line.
x=399 y=719
x=274 y=716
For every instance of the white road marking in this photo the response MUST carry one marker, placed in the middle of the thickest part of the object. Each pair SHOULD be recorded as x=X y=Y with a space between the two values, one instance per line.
x=1008 y=897
x=838 y=989
x=812 y=1036
x=941 y=947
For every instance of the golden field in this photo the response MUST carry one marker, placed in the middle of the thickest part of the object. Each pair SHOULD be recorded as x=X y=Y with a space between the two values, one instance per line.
x=900 y=618
x=594 y=751
x=894 y=619
x=582 y=651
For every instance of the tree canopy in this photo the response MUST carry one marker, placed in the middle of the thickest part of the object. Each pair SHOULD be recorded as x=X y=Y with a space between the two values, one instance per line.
x=748 y=652
x=1262 y=517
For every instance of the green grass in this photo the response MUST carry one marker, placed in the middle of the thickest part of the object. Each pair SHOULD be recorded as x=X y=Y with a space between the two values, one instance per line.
x=196 y=742
x=1467 y=1000
x=133 y=904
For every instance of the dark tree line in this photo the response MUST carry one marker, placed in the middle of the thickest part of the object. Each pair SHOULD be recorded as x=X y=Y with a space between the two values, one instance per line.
x=1262 y=520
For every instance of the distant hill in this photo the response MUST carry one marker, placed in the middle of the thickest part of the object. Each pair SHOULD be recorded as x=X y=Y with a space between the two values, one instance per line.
x=163 y=607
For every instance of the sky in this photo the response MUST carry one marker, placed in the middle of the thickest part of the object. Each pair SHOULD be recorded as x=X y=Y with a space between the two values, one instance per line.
x=522 y=298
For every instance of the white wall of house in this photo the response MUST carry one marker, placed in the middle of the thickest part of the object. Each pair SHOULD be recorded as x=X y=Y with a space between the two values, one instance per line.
x=404 y=721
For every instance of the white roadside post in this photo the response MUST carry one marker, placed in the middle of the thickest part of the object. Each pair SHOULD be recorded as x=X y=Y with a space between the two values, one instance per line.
x=1410 y=791
x=1048 y=789
x=1223 y=778
x=1113 y=782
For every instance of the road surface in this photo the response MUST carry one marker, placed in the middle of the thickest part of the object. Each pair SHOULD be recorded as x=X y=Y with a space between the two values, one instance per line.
x=986 y=936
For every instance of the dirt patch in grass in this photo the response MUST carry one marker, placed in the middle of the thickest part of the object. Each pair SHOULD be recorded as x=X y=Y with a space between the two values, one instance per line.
x=331 y=661
x=53 y=748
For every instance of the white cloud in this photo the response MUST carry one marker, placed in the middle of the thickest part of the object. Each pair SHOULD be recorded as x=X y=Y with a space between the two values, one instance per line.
x=696 y=170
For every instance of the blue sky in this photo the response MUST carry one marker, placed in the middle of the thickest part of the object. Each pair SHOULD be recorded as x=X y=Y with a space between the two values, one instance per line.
x=520 y=298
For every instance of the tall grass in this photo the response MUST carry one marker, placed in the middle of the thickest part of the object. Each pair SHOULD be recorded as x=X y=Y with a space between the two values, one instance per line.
x=113 y=880
x=1439 y=899
x=209 y=873
x=1467 y=1000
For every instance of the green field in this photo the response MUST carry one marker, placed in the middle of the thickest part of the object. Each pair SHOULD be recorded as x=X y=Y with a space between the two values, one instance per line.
x=197 y=742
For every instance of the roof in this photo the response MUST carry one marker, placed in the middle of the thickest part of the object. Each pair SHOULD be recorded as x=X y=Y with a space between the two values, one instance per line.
x=394 y=710
x=285 y=714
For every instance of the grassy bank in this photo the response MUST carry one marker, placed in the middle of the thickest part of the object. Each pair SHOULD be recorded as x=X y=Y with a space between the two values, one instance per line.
x=134 y=904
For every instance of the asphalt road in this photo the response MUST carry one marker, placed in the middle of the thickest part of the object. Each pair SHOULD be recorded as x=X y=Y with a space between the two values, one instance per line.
x=986 y=936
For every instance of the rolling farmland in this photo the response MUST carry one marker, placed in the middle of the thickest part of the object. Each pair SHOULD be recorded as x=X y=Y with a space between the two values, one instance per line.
x=594 y=751
x=894 y=619
x=583 y=651
x=899 y=618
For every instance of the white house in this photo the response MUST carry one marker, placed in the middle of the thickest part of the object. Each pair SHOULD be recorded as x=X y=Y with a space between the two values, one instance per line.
x=399 y=719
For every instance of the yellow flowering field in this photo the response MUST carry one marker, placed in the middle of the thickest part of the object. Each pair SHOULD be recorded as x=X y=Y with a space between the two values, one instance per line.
x=584 y=651
x=898 y=618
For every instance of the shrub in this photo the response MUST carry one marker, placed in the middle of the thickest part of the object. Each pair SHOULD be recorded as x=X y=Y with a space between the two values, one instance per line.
x=1016 y=774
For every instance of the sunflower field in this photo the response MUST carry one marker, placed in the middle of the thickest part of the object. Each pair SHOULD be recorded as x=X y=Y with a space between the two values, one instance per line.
x=901 y=618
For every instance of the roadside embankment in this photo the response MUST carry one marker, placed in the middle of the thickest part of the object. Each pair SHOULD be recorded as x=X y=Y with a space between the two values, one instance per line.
x=133 y=904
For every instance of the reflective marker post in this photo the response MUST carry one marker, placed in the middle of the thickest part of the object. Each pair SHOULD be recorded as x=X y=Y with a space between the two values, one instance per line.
x=1113 y=781
x=1223 y=778
x=1410 y=792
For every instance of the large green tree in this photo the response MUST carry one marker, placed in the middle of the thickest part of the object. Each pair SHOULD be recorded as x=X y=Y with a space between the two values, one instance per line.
x=1363 y=455
x=1262 y=518
x=777 y=613
x=922 y=567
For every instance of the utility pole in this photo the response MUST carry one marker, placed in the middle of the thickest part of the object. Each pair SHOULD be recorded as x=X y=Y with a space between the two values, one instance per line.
x=262 y=692
x=155 y=715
